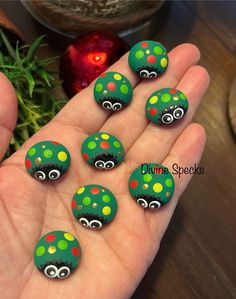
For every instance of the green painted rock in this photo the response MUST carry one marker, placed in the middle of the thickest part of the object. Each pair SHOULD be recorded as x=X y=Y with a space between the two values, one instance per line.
x=151 y=185
x=113 y=91
x=148 y=59
x=57 y=254
x=47 y=160
x=94 y=206
x=166 y=106
x=102 y=150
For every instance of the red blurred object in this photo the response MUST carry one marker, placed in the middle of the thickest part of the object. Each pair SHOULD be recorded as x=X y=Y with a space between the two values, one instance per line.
x=87 y=57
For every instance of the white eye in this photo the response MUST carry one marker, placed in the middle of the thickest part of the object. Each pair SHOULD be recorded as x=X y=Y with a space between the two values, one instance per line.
x=63 y=272
x=40 y=175
x=95 y=224
x=167 y=118
x=144 y=74
x=116 y=107
x=100 y=164
x=154 y=205
x=51 y=271
x=84 y=221
x=109 y=165
x=178 y=113
x=54 y=174
x=152 y=75
x=142 y=202
x=107 y=105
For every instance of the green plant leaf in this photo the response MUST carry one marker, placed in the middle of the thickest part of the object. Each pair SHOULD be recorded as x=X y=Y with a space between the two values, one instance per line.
x=33 y=48
x=31 y=82
x=7 y=44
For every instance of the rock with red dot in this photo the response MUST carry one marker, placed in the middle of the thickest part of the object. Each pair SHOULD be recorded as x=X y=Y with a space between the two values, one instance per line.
x=47 y=160
x=149 y=59
x=103 y=151
x=166 y=106
x=113 y=91
x=57 y=254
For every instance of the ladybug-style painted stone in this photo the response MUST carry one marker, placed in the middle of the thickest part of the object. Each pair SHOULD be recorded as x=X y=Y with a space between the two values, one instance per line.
x=57 y=254
x=94 y=206
x=102 y=150
x=166 y=106
x=148 y=59
x=47 y=160
x=151 y=185
x=113 y=91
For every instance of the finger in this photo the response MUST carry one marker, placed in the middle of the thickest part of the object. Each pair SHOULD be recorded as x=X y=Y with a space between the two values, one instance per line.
x=194 y=84
x=186 y=151
x=130 y=123
x=83 y=112
x=8 y=113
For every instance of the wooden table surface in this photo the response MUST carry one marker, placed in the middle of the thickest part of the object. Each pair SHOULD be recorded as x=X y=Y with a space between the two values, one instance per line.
x=197 y=258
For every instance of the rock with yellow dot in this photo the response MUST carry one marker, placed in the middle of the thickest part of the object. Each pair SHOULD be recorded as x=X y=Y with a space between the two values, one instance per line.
x=151 y=185
x=94 y=206
x=102 y=150
x=57 y=254
x=113 y=91
x=166 y=106
x=148 y=59
x=47 y=160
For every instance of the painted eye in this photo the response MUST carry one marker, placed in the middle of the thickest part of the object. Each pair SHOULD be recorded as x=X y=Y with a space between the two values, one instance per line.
x=142 y=202
x=154 y=204
x=63 y=272
x=54 y=174
x=107 y=105
x=167 y=118
x=178 y=113
x=99 y=164
x=51 y=271
x=84 y=222
x=40 y=175
x=109 y=165
x=152 y=74
x=144 y=74
x=116 y=106
x=95 y=224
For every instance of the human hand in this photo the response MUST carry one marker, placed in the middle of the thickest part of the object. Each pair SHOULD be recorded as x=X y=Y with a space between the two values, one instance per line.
x=115 y=258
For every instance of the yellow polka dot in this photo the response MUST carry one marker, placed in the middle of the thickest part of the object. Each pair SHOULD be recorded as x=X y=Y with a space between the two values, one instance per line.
x=52 y=249
x=117 y=77
x=163 y=62
x=157 y=187
x=81 y=190
x=153 y=100
x=106 y=210
x=68 y=237
x=62 y=156
x=105 y=136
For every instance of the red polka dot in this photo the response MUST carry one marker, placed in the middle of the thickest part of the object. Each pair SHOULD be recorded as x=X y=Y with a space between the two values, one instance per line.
x=133 y=184
x=153 y=111
x=75 y=251
x=111 y=86
x=86 y=156
x=173 y=90
x=28 y=164
x=95 y=190
x=144 y=45
x=50 y=238
x=151 y=59
x=103 y=75
x=55 y=142
x=73 y=204
x=104 y=145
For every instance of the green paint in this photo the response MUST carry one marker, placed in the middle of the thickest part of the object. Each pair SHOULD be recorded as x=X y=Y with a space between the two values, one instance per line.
x=92 y=145
x=98 y=87
x=147 y=177
x=139 y=54
x=62 y=244
x=32 y=151
x=86 y=200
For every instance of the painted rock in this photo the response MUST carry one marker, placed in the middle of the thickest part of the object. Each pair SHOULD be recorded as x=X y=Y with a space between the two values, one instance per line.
x=57 y=254
x=113 y=91
x=148 y=59
x=166 y=106
x=151 y=185
x=94 y=206
x=47 y=160
x=102 y=150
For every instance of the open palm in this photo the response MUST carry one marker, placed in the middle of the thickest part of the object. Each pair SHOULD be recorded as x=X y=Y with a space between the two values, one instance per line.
x=115 y=258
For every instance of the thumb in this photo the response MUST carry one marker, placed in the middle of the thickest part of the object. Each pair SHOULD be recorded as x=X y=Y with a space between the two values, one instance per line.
x=8 y=113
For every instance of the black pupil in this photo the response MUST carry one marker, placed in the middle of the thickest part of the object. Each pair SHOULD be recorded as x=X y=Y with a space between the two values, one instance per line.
x=141 y=202
x=100 y=165
x=154 y=205
x=64 y=272
x=95 y=224
x=107 y=105
x=84 y=222
x=39 y=175
x=144 y=74
x=167 y=118
x=109 y=164
x=50 y=271
x=53 y=174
